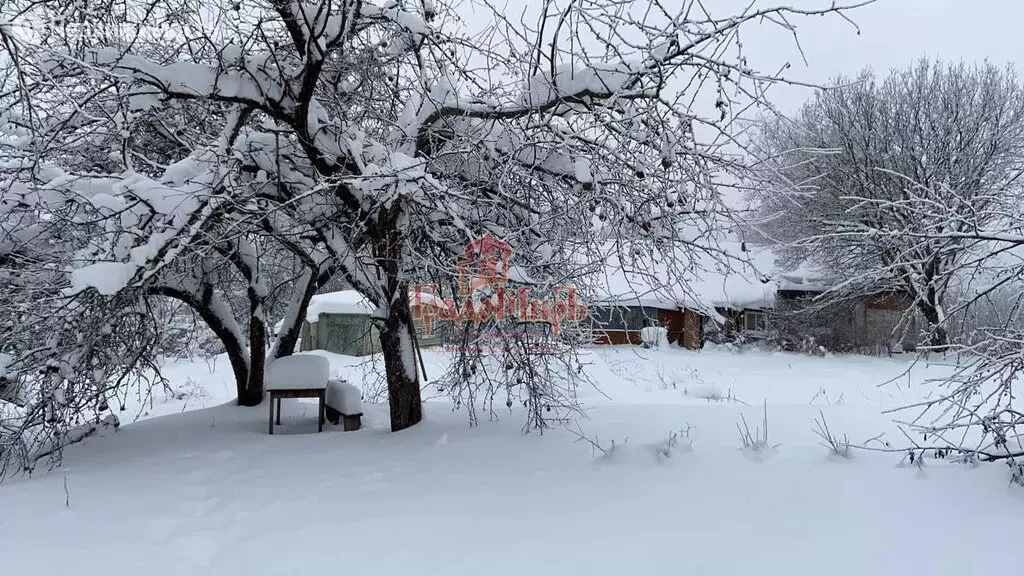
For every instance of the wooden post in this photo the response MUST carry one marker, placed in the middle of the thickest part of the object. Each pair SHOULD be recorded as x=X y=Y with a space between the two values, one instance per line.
x=270 y=402
x=352 y=422
x=320 y=410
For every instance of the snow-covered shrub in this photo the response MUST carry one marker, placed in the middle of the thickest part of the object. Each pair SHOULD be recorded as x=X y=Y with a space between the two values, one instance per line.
x=97 y=351
x=756 y=442
x=693 y=384
x=678 y=441
x=625 y=452
x=838 y=447
x=989 y=306
x=679 y=378
x=188 y=391
x=710 y=392
x=10 y=391
x=815 y=326
x=1016 y=471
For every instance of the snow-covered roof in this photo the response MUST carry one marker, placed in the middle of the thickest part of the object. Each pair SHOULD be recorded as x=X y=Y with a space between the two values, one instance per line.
x=728 y=274
x=341 y=302
x=791 y=281
x=352 y=302
x=806 y=278
x=725 y=276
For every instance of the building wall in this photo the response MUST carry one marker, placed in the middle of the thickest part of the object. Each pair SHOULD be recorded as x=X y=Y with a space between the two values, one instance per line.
x=622 y=325
x=631 y=318
x=617 y=337
x=348 y=334
x=675 y=322
x=883 y=323
x=734 y=327
x=305 y=337
x=874 y=323
x=437 y=329
x=356 y=335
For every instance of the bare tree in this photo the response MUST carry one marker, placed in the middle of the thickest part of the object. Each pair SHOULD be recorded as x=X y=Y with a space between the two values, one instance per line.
x=859 y=167
x=975 y=412
x=918 y=182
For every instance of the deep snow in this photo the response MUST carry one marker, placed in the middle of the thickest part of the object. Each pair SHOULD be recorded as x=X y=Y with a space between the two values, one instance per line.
x=209 y=492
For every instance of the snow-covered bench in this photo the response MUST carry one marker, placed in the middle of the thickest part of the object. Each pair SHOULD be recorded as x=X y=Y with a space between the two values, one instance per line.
x=299 y=376
x=344 y=403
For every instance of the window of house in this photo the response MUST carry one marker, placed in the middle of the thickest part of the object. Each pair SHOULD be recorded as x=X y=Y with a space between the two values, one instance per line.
x=755 y=321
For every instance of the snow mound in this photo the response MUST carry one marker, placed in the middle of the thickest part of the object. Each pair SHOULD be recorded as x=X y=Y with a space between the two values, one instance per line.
x=299 y=371
x=344 y=397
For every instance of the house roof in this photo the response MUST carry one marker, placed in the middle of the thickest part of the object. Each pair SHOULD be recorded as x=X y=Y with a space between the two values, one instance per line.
x=340 y=302
x=727 y=275
x=805 y=278
x=351 y=302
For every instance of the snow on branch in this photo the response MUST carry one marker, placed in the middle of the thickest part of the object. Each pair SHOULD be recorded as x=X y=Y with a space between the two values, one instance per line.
x=249 y=82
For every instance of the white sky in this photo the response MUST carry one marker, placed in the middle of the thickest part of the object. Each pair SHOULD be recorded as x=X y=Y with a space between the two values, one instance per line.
x=893 y=34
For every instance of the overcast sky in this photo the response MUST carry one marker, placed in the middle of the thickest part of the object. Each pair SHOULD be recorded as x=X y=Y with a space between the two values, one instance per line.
x=893 y=33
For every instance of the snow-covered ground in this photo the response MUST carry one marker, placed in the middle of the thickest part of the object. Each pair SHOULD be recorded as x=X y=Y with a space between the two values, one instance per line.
x=205 y=490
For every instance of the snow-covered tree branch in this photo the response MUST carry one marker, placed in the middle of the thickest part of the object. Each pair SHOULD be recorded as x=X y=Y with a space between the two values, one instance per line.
x=205 y=142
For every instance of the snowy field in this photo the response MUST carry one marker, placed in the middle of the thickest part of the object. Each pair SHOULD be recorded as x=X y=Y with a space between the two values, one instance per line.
x=203 y=489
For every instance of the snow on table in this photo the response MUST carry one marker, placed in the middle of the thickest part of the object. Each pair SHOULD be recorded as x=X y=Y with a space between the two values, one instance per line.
x=298 y=372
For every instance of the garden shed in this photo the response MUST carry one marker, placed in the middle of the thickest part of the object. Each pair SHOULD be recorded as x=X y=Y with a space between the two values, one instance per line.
x=341 y=322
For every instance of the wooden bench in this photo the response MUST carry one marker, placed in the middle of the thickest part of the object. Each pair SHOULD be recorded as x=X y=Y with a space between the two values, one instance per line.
x=276 y=394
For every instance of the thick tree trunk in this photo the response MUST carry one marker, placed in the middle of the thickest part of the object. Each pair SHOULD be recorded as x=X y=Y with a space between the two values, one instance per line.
x=929 y=304
x=251 y=394
x=396 y=341
x=237 y=356
x=396 y=337
x=937 y=338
